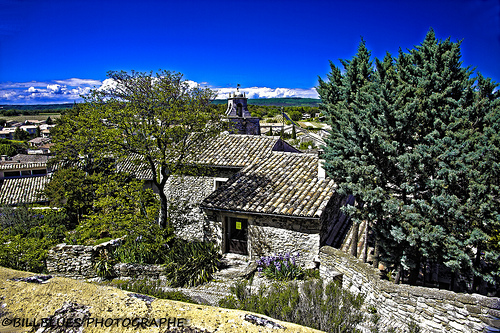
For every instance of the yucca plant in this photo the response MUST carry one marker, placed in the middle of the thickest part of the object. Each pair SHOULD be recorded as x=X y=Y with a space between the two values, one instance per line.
x=191 y=263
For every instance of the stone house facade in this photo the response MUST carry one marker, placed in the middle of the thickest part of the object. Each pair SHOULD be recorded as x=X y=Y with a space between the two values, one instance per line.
x=260 y=197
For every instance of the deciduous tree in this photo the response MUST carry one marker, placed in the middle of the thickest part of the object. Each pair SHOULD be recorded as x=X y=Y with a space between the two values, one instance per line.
x=156 y=122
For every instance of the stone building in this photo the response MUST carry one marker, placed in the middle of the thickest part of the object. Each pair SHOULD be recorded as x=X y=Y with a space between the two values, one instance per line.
x=22 y=179
x=260 y=197
x=238 y=114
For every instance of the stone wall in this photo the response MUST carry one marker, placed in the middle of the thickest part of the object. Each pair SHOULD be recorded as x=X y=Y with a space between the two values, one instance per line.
x=123 y=270
x=76 y=261
x=272 y=235
x=186 y=193
x=433 y=309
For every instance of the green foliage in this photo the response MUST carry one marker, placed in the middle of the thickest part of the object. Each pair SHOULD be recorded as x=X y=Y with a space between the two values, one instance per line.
x=121 y=206
x=191 y=263
x=161 y=121
x=103 y=264
x=280 y=267
x=305 y=145
x=27 y=234
x=146 y=244
x=20 y=135
x=327 y=308
x=417 y=142
x=24 y=253
x=413 y=327
x=7 y=149
x=295 y=115
x=71 y=189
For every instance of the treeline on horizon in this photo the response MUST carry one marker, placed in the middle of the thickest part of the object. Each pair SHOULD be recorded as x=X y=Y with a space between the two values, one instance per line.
x=35 y=109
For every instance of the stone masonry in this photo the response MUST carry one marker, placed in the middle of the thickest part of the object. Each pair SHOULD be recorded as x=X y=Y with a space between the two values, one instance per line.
x=76 y=261
x=433 y=309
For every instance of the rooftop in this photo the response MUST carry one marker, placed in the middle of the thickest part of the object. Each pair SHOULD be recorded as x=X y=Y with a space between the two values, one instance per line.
x=225 y=151
x=22 y=190
x=281 y=184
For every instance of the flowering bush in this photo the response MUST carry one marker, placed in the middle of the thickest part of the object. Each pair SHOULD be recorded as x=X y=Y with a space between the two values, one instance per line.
x=280 y=267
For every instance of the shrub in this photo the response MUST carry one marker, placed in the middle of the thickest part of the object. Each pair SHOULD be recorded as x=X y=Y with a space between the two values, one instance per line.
x=280 y=267
x=145 y=246
x=327 y=308
x=305 y=145
x=191 y=263
x=104 y=263
x=26 y=236
x=24 y=253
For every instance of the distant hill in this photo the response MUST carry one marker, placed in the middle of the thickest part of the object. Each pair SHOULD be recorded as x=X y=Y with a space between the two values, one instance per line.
x=37 y=107
x=289 y=101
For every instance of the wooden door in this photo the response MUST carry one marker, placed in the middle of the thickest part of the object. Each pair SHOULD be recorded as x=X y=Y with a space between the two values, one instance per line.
x=237 y=235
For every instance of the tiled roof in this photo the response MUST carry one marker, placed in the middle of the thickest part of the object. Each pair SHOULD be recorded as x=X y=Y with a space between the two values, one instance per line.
x=283 y=184
x=18 y=166
x=224 y=151
x=138 y=171
x=25 y=158
x=237 y=150
x=15 y=191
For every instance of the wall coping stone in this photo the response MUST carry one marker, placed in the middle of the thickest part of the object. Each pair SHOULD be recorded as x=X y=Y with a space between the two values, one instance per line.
x=436 y=308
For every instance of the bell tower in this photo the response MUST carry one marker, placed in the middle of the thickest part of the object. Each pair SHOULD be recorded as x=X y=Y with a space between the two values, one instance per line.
x=237 y=112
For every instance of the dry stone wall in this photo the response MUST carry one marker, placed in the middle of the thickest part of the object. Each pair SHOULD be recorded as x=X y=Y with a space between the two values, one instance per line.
x=433 y=310
x=273 y=235
x=76 y=261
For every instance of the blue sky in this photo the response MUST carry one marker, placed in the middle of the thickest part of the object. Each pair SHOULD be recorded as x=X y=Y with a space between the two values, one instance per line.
x=54 y=50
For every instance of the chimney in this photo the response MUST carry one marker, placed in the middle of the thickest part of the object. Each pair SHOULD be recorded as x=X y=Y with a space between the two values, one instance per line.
x=321 y=170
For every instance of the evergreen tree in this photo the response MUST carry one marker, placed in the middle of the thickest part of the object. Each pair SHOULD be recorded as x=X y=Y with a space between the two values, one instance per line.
x=412 y=141
x=20 y=135
x=294 y=133
x=350 y=96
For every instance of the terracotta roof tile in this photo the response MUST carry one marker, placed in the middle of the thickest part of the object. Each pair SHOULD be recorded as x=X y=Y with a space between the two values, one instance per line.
x=282 y=184
x=27 y=165
x=224 y=151
x=15 y=191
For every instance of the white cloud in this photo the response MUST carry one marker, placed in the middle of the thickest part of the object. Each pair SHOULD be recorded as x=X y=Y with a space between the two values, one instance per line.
x=56 y=88
x=74 y=82
x=70 y=90
x=192 y=84
x=108 y=84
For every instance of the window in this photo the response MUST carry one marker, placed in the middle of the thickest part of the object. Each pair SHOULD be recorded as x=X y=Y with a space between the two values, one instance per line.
x=9 y=174
x=218 y=182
